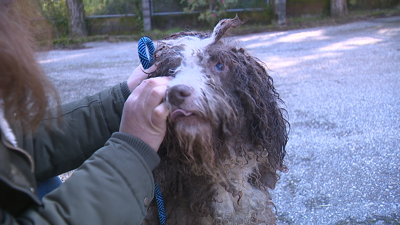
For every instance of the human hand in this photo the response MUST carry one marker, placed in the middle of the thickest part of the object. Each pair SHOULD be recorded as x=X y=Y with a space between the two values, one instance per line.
x=138 y=75
x=145 y=114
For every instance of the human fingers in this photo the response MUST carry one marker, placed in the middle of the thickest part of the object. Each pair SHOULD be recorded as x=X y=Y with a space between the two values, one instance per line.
x=160 y=115
x=138 y=75
x=155 y=97
x=143 y=90
x=145 y=114
x=137 y=121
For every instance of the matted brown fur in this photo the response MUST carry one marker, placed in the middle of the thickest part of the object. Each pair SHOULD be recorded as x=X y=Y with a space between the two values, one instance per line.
x=219 y=171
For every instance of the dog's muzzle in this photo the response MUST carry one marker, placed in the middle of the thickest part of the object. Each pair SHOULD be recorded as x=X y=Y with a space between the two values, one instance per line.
x=177 y=98
x=177 y=94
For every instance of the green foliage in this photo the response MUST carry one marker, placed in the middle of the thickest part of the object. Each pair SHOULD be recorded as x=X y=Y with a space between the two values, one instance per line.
x=138 y=12
x=166 y=6
x=108 y=7
x=56 y=12
x=211 y=10
x=68 y=41
x=244 y=4
x=371 y=4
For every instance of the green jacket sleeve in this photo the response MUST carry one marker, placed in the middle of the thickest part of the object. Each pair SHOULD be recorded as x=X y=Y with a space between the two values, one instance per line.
x=114 y=186
x=66 y=138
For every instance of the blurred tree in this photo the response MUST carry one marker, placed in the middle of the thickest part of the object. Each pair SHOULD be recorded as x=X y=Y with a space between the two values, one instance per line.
x=76 y=12
x=280 y=10
x=339 y=7
x=211 y=10
x=56 y=13
x=116 y=7
x=110 y=7
x=146 y=15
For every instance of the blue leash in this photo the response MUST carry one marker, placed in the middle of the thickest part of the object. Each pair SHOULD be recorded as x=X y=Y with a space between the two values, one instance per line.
x=160 y=205
x=146 y=51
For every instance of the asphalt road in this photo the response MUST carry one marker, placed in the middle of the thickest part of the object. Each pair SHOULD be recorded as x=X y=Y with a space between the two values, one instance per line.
x=341 y=88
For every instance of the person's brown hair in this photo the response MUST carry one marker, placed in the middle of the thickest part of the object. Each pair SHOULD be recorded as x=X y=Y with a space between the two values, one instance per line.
x=24 y=87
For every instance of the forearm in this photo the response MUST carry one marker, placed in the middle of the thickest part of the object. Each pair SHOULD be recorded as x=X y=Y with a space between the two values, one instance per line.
x=111 y=187
x=67 y=138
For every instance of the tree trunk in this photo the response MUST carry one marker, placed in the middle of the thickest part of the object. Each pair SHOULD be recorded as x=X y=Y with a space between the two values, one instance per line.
x=77 y=25
x=281 y=9
x=338 y=7
x=146 y=15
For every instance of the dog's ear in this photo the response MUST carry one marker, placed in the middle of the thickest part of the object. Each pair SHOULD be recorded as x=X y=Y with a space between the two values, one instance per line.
x=266 y=126
x=223 y=26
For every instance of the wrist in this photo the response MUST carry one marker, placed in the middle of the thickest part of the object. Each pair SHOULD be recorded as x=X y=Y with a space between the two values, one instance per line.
x=148 y=153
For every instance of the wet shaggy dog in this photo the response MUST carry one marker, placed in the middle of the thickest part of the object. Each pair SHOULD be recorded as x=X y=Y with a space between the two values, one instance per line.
x=226 y=133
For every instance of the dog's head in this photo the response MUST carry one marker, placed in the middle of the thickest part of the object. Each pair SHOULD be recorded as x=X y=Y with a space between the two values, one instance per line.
x=224 y=107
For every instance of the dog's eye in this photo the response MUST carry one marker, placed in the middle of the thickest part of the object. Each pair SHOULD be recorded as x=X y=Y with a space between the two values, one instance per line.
x=220 y=67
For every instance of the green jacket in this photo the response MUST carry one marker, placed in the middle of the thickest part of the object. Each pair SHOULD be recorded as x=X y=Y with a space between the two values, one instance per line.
x=115 y=184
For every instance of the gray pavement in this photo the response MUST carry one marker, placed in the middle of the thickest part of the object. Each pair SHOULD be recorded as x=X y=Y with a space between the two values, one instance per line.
x=341 y=87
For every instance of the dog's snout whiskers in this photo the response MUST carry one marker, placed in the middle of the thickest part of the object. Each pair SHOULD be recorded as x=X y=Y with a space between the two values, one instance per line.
x=178 y=93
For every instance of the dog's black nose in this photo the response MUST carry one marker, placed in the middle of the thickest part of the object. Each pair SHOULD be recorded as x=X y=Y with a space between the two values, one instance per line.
x=178 y=93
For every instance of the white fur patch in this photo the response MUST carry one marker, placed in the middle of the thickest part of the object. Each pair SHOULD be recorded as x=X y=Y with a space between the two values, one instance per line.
x=190 y=73
x=5 y=127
